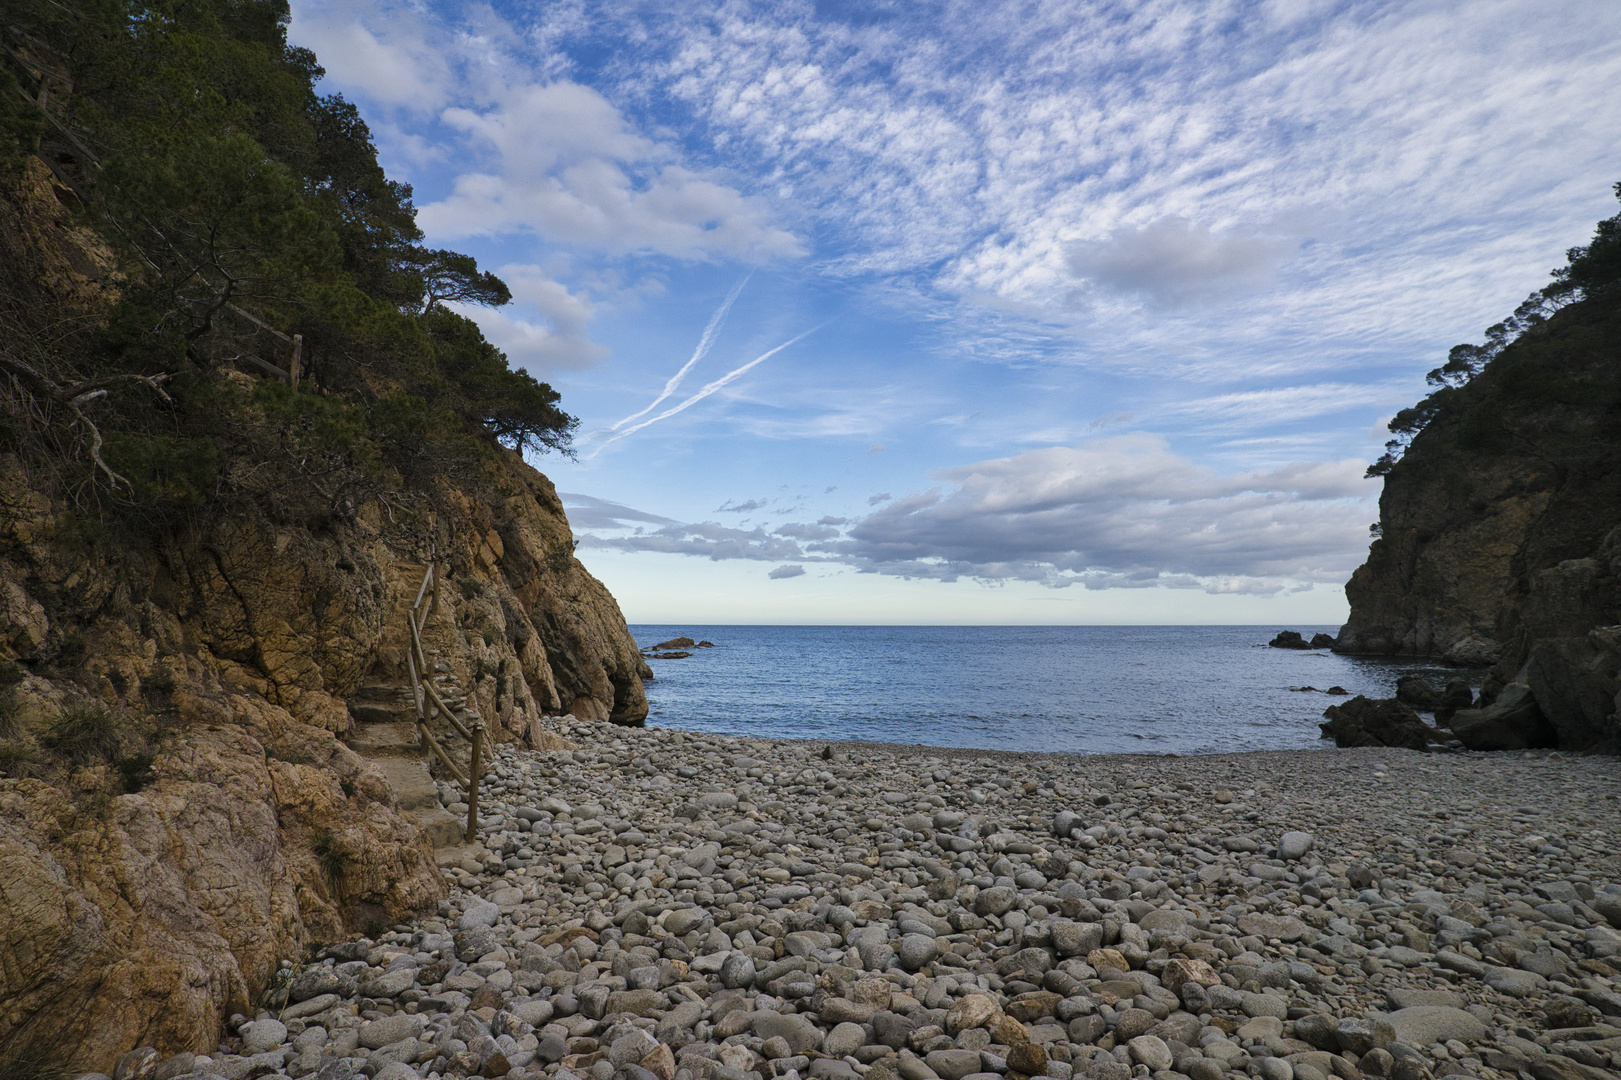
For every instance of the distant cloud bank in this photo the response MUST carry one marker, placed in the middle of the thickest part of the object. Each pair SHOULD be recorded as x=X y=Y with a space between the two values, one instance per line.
x=1113 y=513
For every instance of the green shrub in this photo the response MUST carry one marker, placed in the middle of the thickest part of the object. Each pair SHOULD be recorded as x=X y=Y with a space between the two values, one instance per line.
x=72 y=650
x=333 y=861
x=85 y=736
x=136 y=771
x=165 y=469
x=16 y=757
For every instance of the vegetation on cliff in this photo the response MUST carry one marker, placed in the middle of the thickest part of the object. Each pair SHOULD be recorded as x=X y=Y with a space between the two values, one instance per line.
x=230 y=210
x=1530 y=363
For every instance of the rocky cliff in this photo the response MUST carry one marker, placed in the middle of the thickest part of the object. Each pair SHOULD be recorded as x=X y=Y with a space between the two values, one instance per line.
x=181 y=648
x=180 y=813
x=1500 y=525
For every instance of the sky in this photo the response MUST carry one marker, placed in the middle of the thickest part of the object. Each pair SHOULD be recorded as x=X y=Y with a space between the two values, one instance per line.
x=1077 y=312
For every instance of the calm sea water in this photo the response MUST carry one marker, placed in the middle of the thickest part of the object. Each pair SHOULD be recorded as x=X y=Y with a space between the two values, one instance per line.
x=1075 y=689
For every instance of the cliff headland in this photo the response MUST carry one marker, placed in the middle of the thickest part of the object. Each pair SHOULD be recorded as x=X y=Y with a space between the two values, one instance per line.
x=1499 y=534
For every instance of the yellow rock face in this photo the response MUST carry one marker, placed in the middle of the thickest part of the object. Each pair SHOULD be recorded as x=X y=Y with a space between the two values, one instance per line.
x=144 y=918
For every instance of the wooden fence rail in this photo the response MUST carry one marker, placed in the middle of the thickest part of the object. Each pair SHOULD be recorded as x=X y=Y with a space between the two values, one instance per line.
x=429 y=702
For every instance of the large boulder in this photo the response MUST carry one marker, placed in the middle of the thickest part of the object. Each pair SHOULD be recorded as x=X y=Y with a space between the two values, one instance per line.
x=1323 y=641
x=1365 y=721
x=1512 y=722
x=1577 y=683
x=1289 y=639
x=1416 y=691
x=1457 y=694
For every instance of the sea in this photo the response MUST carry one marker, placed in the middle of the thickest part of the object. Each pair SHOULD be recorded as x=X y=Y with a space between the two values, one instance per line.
x=1067 y=689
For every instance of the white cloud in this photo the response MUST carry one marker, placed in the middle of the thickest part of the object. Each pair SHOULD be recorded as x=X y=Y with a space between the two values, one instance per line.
x=531 y=153
x=1173 y=262
x=1321 y=161
x=590 y=512
x=799 y=530
x=706 y=539
x=1272 y=406
x=385 y=54
x=565 y=164
x=560 y=342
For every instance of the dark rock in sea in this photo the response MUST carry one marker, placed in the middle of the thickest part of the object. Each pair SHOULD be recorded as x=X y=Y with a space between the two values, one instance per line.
x=706 y=645
x=1304 y=689
x=1364 y=721
x=1457 y=695
x=676 y=643
x=676 y=655
x=1338 y=691
x=1289 y=639
x=1512 y=722
x=1323 y=641
x=1416 y=691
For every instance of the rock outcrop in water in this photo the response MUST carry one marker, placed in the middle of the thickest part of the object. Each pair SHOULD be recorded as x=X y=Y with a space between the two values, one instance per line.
x=1500 y=527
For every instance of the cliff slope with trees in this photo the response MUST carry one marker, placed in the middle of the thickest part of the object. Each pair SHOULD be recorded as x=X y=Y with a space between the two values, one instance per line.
x=238 y=418
x=1499 y=533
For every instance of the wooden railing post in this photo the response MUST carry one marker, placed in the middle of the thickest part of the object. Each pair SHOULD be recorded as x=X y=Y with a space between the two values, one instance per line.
x=296 y=360
x=427 y=698
x=433 y=608
x=472 y=780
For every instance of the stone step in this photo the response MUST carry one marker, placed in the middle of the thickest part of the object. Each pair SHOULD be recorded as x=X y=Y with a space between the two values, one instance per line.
x=412 y=785
x=443 y=829
x=383 y=691
x=370 y=712
x=386 y=740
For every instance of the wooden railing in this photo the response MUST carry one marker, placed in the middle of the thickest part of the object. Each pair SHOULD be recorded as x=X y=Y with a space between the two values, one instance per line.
x=294 y=343
x=428 y=700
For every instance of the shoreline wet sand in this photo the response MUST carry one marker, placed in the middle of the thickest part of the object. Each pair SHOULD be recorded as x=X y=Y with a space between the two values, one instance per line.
x=665 y=904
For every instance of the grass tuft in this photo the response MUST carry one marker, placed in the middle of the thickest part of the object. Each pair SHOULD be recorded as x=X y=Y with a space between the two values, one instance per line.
x=85 y=735
x=334 y=862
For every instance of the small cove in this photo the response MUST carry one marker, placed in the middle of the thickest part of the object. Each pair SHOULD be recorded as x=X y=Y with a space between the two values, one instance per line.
x=1071 y=689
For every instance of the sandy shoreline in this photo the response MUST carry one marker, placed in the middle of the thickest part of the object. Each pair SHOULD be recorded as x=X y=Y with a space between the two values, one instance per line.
x=662 y=905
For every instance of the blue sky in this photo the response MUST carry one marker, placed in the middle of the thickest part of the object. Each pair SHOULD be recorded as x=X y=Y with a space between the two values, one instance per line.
x=1074 y=312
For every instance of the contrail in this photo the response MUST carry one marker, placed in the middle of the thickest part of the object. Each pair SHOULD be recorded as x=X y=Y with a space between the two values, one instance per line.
x=709 y=388
x=706 y=340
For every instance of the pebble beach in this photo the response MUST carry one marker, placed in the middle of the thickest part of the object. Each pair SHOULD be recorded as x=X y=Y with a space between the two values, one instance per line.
x=661 y=905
